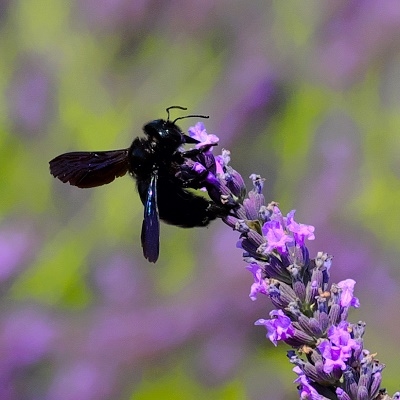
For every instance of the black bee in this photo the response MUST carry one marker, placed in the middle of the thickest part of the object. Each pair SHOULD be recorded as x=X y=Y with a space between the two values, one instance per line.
x=163 y=174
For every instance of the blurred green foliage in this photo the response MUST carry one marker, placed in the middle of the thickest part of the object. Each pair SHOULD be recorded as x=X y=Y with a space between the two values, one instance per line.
x=180 y=386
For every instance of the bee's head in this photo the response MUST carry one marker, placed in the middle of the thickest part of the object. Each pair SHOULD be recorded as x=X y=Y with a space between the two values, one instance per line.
x=165 y=133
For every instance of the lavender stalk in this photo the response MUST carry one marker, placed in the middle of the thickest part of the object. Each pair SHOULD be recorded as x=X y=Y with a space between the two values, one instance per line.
x=311 y=314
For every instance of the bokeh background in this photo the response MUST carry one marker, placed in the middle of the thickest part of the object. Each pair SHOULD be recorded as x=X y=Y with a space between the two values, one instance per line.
x=305 y=93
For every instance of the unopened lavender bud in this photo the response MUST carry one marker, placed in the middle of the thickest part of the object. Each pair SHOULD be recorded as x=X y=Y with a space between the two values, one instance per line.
x=240 y=212
x=235 y=183
x=312 y=291
x=294 y=310
x=294 y=270
x=305 y=324
x=312 y=354
x=264 y=214
x=300 y=290
x=300 y=338
x=358 y=329
x=375 y=385
x=317 y=278
x=322 y=304
x=363 y=381
x=323 y=377
x=294 y=358
x=350 y=384
x=227 y=200
x=295 y=255
x=253 y=204
x=256 y=238
x=310 y=370
x=230 y=220
x=323 y=261
x=249 y=247
x=362 y=393
x=342 y=395
x=334 y=314
x=241 y=226
x=315 y=327
x=274 y=269
x=358 y=351
x=335 y=294
x=285 y=292
x=258 y=182
x=276 y=298
x=323 y=320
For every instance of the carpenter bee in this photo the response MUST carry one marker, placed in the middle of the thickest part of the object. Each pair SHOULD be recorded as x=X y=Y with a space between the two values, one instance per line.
x=163 y=172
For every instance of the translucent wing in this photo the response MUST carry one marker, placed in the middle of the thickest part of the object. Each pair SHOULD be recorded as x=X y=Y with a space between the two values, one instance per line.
x=90 y=169
x=151 y=223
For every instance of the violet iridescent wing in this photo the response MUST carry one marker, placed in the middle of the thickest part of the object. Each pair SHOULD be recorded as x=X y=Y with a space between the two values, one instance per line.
x=151 y=223
x=89 y=169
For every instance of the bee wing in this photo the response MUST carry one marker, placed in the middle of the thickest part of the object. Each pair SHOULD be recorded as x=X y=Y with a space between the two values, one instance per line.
x=151 y=223
x=89 y=169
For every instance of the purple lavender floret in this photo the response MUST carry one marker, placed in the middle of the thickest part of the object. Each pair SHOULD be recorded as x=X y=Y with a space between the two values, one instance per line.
x=279 y=326
x=310 y=314
x=199 y=133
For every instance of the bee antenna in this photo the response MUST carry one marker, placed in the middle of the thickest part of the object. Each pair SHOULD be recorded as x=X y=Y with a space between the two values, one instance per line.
x=191 y=116
x=186 y=116
x=172 y=107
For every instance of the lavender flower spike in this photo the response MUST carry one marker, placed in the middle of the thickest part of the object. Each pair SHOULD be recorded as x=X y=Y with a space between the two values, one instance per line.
x=310 y=313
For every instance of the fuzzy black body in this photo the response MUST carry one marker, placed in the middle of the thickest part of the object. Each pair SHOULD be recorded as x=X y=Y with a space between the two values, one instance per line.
x=157 y=163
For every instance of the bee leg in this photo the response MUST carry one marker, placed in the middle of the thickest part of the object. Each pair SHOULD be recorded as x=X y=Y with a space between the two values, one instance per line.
x=195 y=152
x=194 y=175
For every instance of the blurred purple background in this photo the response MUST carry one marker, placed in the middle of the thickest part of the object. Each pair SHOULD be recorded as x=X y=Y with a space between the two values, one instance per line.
x=306 y=94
